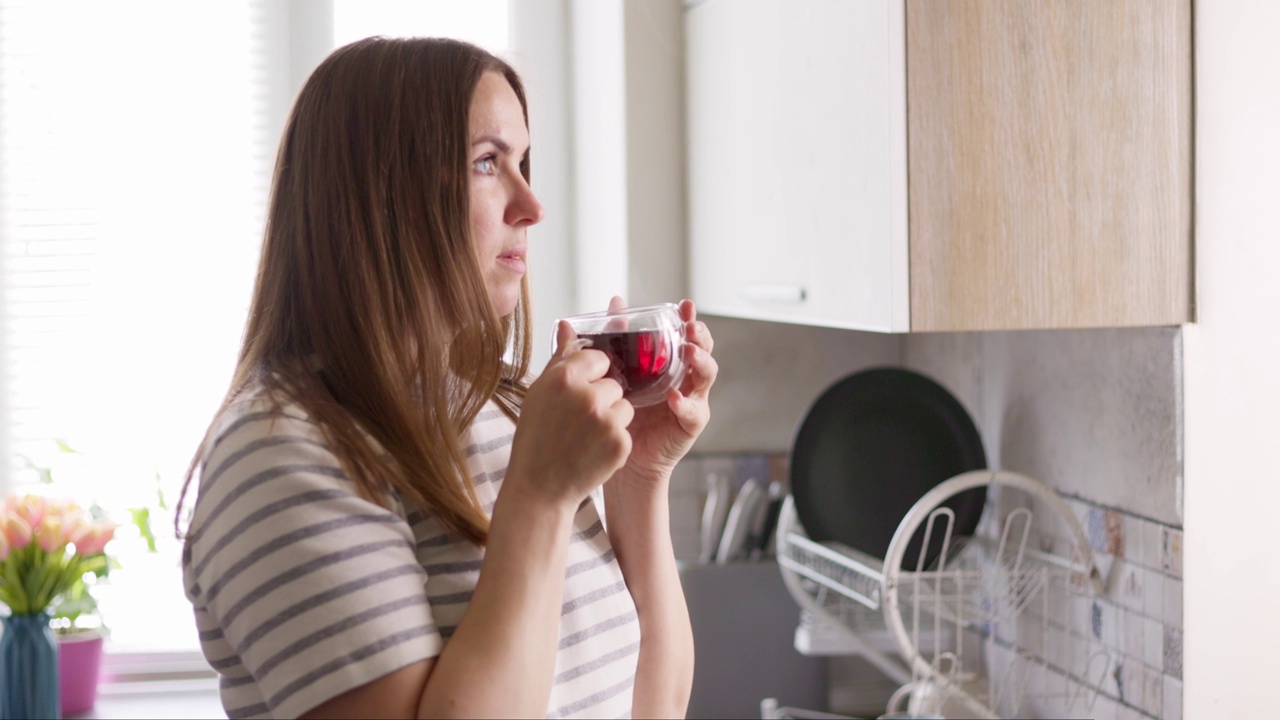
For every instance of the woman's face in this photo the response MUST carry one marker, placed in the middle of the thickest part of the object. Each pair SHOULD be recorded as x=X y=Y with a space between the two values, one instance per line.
x=502 y=204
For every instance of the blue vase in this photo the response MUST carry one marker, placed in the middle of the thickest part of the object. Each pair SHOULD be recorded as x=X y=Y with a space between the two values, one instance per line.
x=28 y=668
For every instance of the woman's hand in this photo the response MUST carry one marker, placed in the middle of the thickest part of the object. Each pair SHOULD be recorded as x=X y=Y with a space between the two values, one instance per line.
x=662 y=434
x=572 y=434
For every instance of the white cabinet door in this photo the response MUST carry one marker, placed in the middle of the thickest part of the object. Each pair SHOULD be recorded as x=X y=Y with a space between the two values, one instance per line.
x=797 y=161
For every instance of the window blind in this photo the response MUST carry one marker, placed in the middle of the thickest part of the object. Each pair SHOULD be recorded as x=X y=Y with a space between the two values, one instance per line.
x=137 y=140
x=136 y=143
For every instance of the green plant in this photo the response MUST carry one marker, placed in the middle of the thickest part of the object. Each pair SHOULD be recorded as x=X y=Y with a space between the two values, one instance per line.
x=140 y=516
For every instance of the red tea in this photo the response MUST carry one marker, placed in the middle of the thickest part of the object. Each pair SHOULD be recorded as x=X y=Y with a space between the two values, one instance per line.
x=639 y=358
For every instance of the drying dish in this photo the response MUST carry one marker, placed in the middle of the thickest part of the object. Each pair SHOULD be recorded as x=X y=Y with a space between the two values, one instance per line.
x=872 y=445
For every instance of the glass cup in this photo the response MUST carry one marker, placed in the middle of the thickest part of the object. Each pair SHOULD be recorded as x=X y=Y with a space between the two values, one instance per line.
x=645 y=346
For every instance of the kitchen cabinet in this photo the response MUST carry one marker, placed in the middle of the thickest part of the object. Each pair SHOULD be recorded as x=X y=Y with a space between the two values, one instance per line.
x=941 y=166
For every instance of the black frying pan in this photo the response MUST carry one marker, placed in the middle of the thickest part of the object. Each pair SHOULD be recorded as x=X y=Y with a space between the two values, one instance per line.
x=869 y=447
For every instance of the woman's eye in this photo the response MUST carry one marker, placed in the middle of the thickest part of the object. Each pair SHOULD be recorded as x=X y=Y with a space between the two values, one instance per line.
x=485 y=165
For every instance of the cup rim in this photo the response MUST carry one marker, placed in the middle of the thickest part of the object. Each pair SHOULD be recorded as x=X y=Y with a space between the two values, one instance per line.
x=625 y=312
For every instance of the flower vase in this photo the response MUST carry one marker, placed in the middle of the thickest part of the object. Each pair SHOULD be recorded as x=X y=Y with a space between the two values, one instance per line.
x=28 y=668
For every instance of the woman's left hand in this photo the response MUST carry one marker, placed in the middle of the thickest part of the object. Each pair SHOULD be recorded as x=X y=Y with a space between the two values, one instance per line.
x=662 y=434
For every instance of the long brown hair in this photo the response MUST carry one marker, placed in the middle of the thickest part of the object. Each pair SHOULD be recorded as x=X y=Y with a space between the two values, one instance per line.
x=369 y=308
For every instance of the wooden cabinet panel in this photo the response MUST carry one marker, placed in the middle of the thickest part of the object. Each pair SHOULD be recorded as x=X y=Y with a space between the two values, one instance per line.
x=1049 y=163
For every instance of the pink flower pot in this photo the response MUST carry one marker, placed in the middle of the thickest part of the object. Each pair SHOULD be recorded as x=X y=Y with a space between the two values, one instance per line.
x=79 y=660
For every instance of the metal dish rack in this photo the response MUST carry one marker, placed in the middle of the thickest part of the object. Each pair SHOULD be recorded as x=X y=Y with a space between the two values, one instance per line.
x=997 y=626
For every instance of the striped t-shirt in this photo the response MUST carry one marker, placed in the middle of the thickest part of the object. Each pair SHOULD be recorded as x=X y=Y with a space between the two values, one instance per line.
x=302 y=590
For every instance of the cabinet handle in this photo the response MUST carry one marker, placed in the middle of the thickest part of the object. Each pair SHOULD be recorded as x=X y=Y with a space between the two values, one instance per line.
x=773 y=292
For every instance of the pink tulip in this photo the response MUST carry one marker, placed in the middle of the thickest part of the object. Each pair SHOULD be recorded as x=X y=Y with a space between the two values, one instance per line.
x=95 y=539
x=4 y=548
x=60 y=506
x=16 y=532
x=31 y=508
x=50 y=534
x=75 y=524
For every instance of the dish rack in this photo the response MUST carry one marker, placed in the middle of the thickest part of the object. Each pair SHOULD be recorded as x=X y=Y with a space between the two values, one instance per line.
x=998 y=625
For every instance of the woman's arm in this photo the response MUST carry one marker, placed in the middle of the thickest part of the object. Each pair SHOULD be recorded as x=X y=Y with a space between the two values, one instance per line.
x=637 y=517
x=500 y=661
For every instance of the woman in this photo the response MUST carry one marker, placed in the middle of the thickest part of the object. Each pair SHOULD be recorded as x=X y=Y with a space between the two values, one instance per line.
x=390 y=520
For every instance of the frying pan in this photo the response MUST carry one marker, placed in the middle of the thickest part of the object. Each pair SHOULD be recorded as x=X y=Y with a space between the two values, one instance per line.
x=873 y=444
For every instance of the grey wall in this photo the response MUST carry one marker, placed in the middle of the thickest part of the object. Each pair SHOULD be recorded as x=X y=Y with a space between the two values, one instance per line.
x=1096 y=414
x=771 y=372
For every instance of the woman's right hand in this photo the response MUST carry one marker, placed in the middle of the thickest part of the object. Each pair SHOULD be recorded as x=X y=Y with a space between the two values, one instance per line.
x=572 y=434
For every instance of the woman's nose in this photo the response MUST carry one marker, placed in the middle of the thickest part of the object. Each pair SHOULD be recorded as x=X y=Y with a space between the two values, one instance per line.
x=524 y=209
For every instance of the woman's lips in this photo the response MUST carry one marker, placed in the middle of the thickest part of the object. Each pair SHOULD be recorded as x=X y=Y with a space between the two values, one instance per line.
x=514 y=260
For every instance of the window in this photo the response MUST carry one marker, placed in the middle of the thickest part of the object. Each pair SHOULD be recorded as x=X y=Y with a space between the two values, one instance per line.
x=136 y=144
x=483 y=22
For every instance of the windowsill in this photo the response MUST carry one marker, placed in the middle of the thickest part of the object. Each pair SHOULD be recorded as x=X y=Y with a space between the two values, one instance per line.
x=156 y=685
x=157 y=699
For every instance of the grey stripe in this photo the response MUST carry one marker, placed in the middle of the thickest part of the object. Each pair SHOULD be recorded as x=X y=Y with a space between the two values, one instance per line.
x=236 y=531
x=255 y=417
x=483 y=478
x=451 y=599
x=248 y=711
x=589 y=533
x=287 y=539
x=447 y=631
x=595 y=698
x=597 y=663
x=488 y=414
x=224 y=663
x=209 y=635
x=453 y=567
x=434 y=542
x=268 y=416
x=336 y=664
x=304 y=569
x=593 y=596
x=338 y=628
x=228 y=682
x=598 y=628
x=319 y=599
x=252 y=447
x=585 y=565
x=256 y=480
x=489 y=446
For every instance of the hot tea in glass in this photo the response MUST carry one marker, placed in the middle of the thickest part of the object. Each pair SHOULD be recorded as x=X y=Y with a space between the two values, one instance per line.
x=644 y=345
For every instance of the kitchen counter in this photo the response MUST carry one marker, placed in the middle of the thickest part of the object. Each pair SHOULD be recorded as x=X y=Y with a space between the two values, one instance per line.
x=169 y=699
x=744 y=623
